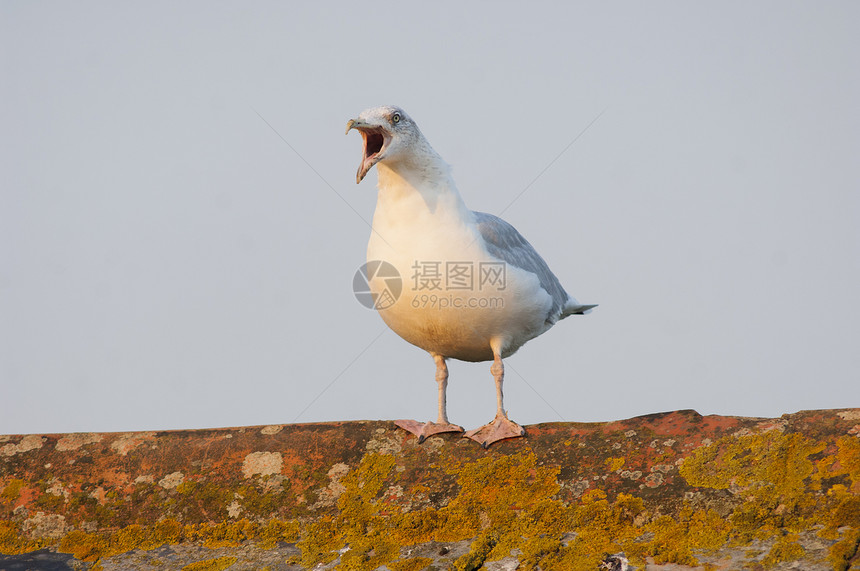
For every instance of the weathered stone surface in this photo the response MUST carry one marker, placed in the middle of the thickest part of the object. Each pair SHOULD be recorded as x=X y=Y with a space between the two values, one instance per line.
x=671 y=491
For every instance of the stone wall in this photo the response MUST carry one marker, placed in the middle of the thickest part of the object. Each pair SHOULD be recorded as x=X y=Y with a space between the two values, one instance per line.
x=669 y=491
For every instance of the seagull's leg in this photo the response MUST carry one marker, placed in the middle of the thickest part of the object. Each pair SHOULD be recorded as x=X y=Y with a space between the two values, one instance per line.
x=423 y=430
x=442 y=381
x=497 y=369
x=500 y=427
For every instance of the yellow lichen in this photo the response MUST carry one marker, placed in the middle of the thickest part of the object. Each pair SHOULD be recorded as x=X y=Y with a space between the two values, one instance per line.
x=772 y=460
x=768 y=470
x=319 y=543
x=276 y=531
x=94 y=546
x=358 y=522
x=132 y=537
x=614 y=464
x=478 y=553
x=412 y=564
x=224 y=534
x=12 y=542
x=167 y=531
x=186 y=487
x=12 y=490
x=785 y=549
x=780 y=485
x=84 y=546
x=602 y=527
x=679 y=539
x=844 y=550
x=511 y=496
x=216 y=564
x=538 y=552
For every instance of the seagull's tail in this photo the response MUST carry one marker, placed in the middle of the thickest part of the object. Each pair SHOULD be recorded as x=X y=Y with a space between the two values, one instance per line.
x=573 y=307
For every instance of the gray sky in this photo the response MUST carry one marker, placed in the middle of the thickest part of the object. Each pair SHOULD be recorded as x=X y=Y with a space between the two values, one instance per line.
x=168 y=261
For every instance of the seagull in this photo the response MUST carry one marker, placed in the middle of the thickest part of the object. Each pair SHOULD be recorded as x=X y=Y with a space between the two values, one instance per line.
x=473 y=288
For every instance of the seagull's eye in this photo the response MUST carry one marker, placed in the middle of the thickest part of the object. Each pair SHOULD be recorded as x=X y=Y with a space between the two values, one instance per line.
x=395 y=118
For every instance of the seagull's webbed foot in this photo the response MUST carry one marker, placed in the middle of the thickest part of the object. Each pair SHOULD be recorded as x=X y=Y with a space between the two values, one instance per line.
x=424 y=430
x=499 y=428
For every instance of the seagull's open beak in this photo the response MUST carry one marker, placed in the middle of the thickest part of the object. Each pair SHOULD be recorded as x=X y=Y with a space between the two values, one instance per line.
x=375 y=141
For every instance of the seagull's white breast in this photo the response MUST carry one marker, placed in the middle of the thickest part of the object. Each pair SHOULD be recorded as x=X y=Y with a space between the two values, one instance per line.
x=456 y=298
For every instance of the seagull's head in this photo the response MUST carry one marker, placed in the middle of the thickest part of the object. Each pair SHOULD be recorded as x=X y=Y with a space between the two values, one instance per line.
x=388 y=133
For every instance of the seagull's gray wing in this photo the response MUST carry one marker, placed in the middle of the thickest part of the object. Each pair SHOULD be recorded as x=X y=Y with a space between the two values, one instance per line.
x=504 y=242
